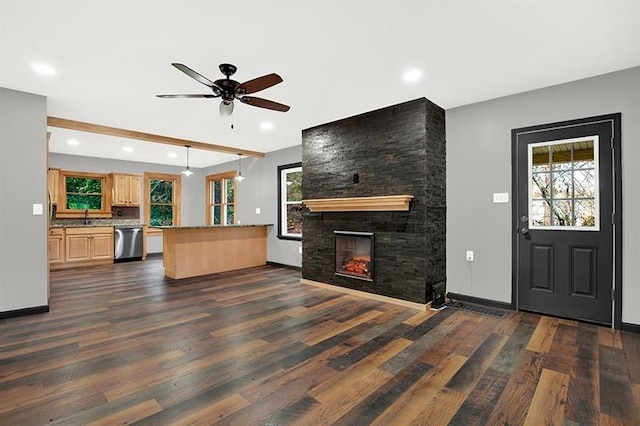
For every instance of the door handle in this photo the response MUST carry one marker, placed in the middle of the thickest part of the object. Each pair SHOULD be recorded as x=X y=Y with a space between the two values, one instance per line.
x=524 y=231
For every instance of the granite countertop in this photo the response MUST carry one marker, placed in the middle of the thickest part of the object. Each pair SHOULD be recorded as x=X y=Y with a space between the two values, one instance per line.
x=93 y=225
x=209 y=226
x=90 y=225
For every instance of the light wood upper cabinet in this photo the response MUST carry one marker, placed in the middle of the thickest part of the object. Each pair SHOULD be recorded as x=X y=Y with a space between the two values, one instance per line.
x=126 y=189
x=53 y=179
x=136 y=189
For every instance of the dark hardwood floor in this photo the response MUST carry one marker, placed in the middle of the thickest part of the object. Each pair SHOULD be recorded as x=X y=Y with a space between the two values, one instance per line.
x=122 y=344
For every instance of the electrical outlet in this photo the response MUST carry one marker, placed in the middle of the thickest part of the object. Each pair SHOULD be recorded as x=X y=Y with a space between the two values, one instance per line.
x=300 y=250
x=38 y=210
x=469 y=256
x=258 y=210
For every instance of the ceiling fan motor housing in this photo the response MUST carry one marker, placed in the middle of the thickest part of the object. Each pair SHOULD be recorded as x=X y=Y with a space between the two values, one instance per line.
x=228 y=88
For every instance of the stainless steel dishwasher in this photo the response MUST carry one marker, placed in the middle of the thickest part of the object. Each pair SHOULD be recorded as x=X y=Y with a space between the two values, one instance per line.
x=127 y=243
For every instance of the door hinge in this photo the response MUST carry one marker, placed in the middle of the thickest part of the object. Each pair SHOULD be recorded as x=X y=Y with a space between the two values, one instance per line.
x=613 y=294
x=612 y=144
x=613 y=218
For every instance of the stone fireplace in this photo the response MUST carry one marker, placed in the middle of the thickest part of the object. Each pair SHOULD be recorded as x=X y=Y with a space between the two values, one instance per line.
x=381 y=173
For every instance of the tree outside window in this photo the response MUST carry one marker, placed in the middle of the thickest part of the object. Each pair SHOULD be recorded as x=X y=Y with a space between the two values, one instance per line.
x=290 y=201
x=161 y=202
x=221 y=199
x=162 y=199
x=83 y=193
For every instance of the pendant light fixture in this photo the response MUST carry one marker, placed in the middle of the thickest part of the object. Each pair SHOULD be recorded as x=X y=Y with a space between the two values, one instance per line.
x=187 y=172
x=239 y=178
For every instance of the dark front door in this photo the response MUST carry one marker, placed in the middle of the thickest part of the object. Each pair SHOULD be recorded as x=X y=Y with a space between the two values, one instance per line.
x=564 y=205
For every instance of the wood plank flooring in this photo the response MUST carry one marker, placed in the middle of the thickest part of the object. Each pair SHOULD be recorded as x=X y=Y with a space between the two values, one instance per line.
x=124 y=345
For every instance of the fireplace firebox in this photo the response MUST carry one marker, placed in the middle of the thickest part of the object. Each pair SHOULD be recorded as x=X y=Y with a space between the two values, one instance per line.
x=354 y=254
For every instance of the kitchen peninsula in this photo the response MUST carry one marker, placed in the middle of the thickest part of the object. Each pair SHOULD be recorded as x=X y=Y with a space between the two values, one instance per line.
x=190 y=251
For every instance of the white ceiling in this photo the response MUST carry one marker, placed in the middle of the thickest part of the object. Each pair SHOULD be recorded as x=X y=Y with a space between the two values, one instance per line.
x=337 y=59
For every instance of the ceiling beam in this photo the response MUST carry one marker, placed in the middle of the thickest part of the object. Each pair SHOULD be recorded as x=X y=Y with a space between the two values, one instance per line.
x=63 y=123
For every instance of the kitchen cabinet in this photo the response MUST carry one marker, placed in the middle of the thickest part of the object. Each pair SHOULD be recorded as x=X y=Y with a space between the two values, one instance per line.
x=93 y=244
x=126 y=189
x=53 y=179
x=56 y=245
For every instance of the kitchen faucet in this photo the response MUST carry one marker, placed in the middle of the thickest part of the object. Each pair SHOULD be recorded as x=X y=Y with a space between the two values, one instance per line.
x=86 y=216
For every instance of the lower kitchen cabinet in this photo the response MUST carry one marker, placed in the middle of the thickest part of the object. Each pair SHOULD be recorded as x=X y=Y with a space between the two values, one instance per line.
x=56 y=246
x=87 y=244
x=83 y=245
x=102 y=246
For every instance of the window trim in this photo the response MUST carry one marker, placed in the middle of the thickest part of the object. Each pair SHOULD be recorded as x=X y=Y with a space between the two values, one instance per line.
x=281 y=235
x=177 y=199
x=212 y=178
x=63 y=212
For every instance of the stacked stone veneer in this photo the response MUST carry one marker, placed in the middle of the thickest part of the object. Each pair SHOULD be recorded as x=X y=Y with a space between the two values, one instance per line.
x=395 y=150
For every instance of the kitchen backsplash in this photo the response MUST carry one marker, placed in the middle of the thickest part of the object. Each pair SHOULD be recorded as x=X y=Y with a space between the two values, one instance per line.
x=95 y=222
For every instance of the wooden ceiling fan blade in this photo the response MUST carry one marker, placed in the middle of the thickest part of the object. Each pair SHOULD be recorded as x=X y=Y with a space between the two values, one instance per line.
x=260 y=83
x=187 y=96
x=264 y=103
x=204 y=80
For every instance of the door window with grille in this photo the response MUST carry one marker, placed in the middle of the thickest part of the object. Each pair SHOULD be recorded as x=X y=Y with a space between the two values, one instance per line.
x=563 y=185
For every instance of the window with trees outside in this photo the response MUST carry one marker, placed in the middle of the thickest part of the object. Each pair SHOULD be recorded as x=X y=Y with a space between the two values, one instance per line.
x=162 y=199
x=84 y=191
x=563 y=188
x=221 y=199
x=290 y=201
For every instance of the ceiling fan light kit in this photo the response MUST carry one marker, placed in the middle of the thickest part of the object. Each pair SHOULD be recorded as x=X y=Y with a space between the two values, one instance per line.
x=229 y=89
x=226 y=108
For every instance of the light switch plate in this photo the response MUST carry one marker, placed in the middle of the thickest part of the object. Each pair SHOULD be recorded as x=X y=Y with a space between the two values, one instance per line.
x=258 y=210
x=500 y=197
x=38 y=210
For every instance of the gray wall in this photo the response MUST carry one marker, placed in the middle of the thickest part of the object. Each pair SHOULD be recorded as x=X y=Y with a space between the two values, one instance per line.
x=23 y=182
x=192 y=208
x=479 y=164
x=260 y=190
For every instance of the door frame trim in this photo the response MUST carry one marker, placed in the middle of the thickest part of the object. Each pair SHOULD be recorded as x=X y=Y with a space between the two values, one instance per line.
x=616 y=124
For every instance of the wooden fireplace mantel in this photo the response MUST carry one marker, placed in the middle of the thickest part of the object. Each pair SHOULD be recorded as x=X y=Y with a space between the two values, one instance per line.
x=360 y=204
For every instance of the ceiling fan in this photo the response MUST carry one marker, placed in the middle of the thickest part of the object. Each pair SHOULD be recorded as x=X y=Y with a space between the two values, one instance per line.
x=229 y=90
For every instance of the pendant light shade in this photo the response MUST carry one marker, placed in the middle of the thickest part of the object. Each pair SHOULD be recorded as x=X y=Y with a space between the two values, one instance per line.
x=187 y=172
x=239 y=177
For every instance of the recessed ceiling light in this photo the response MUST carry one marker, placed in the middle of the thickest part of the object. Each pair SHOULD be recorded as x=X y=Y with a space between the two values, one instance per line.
x=412 y=75
x=43 y=69
x=127 y=149
x=172 y=154
x=73 y=142
x=266 y=125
